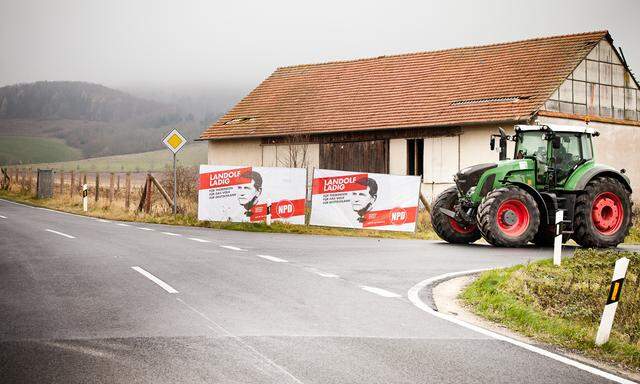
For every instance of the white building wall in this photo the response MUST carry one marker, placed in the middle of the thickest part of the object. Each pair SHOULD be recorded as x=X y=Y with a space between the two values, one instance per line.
x=398 y=156
x=235 y=152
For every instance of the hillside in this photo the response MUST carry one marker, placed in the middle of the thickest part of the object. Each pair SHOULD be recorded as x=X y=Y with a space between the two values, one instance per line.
x=25 y=150
x=93 y=119
x=190 y=155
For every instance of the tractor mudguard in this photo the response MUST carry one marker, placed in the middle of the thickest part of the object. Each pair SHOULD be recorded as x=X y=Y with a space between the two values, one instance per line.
x=597 y=170
x=544 y=208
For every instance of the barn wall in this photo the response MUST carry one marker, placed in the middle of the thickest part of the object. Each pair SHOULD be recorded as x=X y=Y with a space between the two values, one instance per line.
x=235 y=152
x=398 y=156
x=616 y=146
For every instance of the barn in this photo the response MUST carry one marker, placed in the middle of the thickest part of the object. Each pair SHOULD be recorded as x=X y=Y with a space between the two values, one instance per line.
x=431 y=113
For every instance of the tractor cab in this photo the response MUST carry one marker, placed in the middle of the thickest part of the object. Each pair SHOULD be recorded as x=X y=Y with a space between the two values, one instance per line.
x=557 y=151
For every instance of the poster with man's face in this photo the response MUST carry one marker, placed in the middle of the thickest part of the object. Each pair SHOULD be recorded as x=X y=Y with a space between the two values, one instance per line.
x=364 y=200
x=241 y=194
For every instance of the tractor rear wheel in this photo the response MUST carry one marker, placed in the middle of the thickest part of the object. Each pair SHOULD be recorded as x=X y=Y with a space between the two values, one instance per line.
x=602 y=214
x=508 y=217
x=447 y=228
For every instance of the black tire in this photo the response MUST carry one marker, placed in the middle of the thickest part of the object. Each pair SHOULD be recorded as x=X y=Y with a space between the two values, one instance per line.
x=588 y=233
x=546 y=235
x=442 y=224
x=514 y=203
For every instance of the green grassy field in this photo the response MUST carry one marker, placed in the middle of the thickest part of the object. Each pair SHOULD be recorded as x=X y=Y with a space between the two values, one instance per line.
x=190 y=155
x=27 y=150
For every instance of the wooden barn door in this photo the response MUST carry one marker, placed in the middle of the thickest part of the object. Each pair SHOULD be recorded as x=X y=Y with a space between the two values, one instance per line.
x=357 y=156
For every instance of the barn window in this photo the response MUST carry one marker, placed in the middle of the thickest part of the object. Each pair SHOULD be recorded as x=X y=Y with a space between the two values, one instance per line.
x=600 y=85
x=441 y=159
x=415 y=157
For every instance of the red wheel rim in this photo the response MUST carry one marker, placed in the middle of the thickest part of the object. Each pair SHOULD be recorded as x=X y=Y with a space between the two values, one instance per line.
x=461 y=229
x=513 y=217
x=607 y=213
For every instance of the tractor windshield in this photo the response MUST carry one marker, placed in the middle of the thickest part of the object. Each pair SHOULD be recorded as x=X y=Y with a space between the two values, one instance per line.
x=531 y=144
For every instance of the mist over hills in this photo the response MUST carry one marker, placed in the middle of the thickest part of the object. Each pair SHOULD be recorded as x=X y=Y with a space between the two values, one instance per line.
x=101 y=121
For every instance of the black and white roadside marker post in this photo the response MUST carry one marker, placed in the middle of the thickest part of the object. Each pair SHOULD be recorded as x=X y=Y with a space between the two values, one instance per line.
x=85 y=197
x=174 y=141
x=557 y=241
x=268 y=217
x=606 y=322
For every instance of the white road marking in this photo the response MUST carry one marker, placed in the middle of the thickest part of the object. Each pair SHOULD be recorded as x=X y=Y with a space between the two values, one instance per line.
x=413 y=295
x=172 y=234
x=3 y=217
x=231 y=247
x=324 y=274
x=272 y=258
x=240 y=341
x=103 y=220
x=379 y=291
x=199 y=240
x=145 y=228
x=149 y=276
x=60 y=233
x=123 y=225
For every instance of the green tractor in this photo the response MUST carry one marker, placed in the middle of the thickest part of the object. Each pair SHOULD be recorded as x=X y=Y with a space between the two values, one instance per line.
x=514 y=202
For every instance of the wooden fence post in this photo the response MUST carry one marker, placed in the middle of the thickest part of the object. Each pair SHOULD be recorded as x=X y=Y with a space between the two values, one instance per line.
x=61 y=182
x=72 y=185
x=127 y=196
x=112 y=180
x=118 y=184
x=97 y=186
x=147 y=202
x=30 y=180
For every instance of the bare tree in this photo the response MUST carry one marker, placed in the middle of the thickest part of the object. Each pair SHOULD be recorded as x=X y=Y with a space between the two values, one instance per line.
x=296 y=148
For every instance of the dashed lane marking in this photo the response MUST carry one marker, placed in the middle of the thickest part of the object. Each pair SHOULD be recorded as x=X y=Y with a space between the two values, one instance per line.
x=149 y=276
x=324 y=274
x=60 y=233
x=145 y=229
x=3 y=217
x=231 y=247
x=123 y=225
x=274 y=259
x=103 y=220
x=199 y=240
x=172 y=234
x=379 y=291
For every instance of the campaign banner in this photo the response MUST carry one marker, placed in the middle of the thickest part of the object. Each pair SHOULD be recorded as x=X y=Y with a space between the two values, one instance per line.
x=241 y=194
x=364 y=200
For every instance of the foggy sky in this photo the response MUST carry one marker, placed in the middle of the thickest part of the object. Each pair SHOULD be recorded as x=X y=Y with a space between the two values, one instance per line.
x=236 y=44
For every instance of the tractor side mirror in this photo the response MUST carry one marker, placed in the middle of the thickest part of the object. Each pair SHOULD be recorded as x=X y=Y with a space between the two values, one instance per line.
x=556 y=143
x=492 y=143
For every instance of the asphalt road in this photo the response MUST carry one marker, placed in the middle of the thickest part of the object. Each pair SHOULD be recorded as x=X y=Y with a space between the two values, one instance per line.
x=235 y=307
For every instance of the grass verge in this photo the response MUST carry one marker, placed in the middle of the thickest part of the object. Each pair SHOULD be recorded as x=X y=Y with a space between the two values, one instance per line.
x=116 y=211
x=562 y=305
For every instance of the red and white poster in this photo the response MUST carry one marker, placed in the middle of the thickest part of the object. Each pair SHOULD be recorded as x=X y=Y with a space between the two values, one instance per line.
x=364 y=200
x=241 y=194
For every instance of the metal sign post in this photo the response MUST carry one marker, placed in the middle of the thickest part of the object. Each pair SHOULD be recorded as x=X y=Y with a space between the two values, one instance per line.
x=174 y=141
x=606 y=322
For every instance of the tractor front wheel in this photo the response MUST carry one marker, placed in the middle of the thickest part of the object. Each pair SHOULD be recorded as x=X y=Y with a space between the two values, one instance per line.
x=602 y=214
x=508 y=217
x=447 y=228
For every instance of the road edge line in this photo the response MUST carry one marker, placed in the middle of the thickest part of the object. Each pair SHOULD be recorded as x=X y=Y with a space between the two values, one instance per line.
x=414 y=297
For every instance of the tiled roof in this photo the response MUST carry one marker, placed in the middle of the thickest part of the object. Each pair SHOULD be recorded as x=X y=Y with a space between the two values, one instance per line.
x=474 y=85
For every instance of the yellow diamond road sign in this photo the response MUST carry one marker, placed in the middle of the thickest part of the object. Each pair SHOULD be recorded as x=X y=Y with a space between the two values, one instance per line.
x=174 y=141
